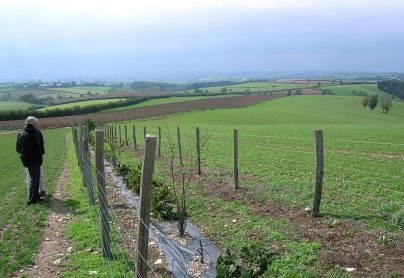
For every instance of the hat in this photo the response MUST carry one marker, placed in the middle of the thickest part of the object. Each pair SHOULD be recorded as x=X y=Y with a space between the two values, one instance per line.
x=31 y=120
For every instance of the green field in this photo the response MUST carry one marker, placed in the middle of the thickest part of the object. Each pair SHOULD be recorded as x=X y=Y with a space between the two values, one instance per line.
x=21 y=225
x=160 y=101
x=256 y=87
x=39 y=93
x=13 y=105
x=363 y=182
x=80 y=103
x=371 y=89
x=85 y=90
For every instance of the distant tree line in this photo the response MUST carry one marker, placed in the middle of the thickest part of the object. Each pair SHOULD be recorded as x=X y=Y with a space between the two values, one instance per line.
x=393 y=87
x=9 y=115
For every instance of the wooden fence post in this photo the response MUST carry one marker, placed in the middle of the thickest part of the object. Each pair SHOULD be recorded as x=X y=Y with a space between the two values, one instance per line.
x=179 y=144
x=235 y=153
x=87 y=173
x=120 y=134
x=115 y=137
x=318 y=188
x=146 y=184
x=126 y=135
x=102 y=197
x=198 y=150
x=134 y=137
x=159 y=142
x=144 y=134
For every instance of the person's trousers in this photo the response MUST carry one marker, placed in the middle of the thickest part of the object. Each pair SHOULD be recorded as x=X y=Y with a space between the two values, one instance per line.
x=35 y=174
x=28 y=180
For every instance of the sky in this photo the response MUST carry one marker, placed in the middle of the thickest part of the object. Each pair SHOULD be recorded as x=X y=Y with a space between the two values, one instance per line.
x=175 y=39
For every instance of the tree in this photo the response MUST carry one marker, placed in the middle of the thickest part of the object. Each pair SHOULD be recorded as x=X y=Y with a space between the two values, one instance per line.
x=29 y=98
x=365 y=102
x=373 y=101
x=180 y=174
x=386 y=103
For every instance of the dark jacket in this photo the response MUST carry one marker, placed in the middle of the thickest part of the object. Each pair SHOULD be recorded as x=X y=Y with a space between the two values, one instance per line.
x=31 y=146
x=38 y=133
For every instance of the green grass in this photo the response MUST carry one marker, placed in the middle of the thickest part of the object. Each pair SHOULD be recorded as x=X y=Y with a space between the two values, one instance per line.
x=21 y=225
x=39 y=93
x=84 y=232
x=13 y=105
x=256 y=87
x=85 y=90
x=364 y=173
x=80 y=103
x=371 y=89
x=160 y=101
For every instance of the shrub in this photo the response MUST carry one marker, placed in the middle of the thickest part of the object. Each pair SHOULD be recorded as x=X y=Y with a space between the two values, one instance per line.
x=251 y=259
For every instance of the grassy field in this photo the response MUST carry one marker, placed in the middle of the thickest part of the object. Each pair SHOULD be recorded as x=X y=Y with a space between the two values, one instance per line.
x=159 y=101
x=13 y=105
x=80 y=103
x=371 y=89
x=21 y=225
x=39 y=93
x=255 y=87
x=363 y=182
x=85 y=90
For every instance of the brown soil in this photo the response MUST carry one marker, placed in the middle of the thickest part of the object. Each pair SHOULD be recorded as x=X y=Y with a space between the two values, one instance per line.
x=54 y=246
x=344 y=243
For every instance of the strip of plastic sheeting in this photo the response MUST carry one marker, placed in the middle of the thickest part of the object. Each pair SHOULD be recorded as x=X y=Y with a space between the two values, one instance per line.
x=164 y=234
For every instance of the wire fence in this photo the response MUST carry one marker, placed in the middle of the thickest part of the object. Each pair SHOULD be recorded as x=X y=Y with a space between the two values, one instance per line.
x=121 y=252
x=371 y=168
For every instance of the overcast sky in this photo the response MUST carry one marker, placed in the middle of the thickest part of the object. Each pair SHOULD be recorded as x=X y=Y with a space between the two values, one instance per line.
x=170 y=39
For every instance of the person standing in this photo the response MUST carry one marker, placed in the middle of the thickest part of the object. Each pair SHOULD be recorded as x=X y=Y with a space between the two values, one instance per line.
x=31 y=151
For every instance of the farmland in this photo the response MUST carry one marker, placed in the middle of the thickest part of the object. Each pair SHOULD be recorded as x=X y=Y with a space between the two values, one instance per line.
x=363 y=184
x=80 y=103
x=157 y=101
x=21 y=226
x=370 y=89
x=153 y=110
x=13 y=105
x=255 y=87
x=85 y=90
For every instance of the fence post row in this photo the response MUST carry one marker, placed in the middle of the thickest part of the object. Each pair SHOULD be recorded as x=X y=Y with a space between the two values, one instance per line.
x=318 y=188
x=86 y=157
x=99 y=164
x=235 y=154
x=134 y=137
x=145 y=203
x=198 y=150
x=179 y=144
